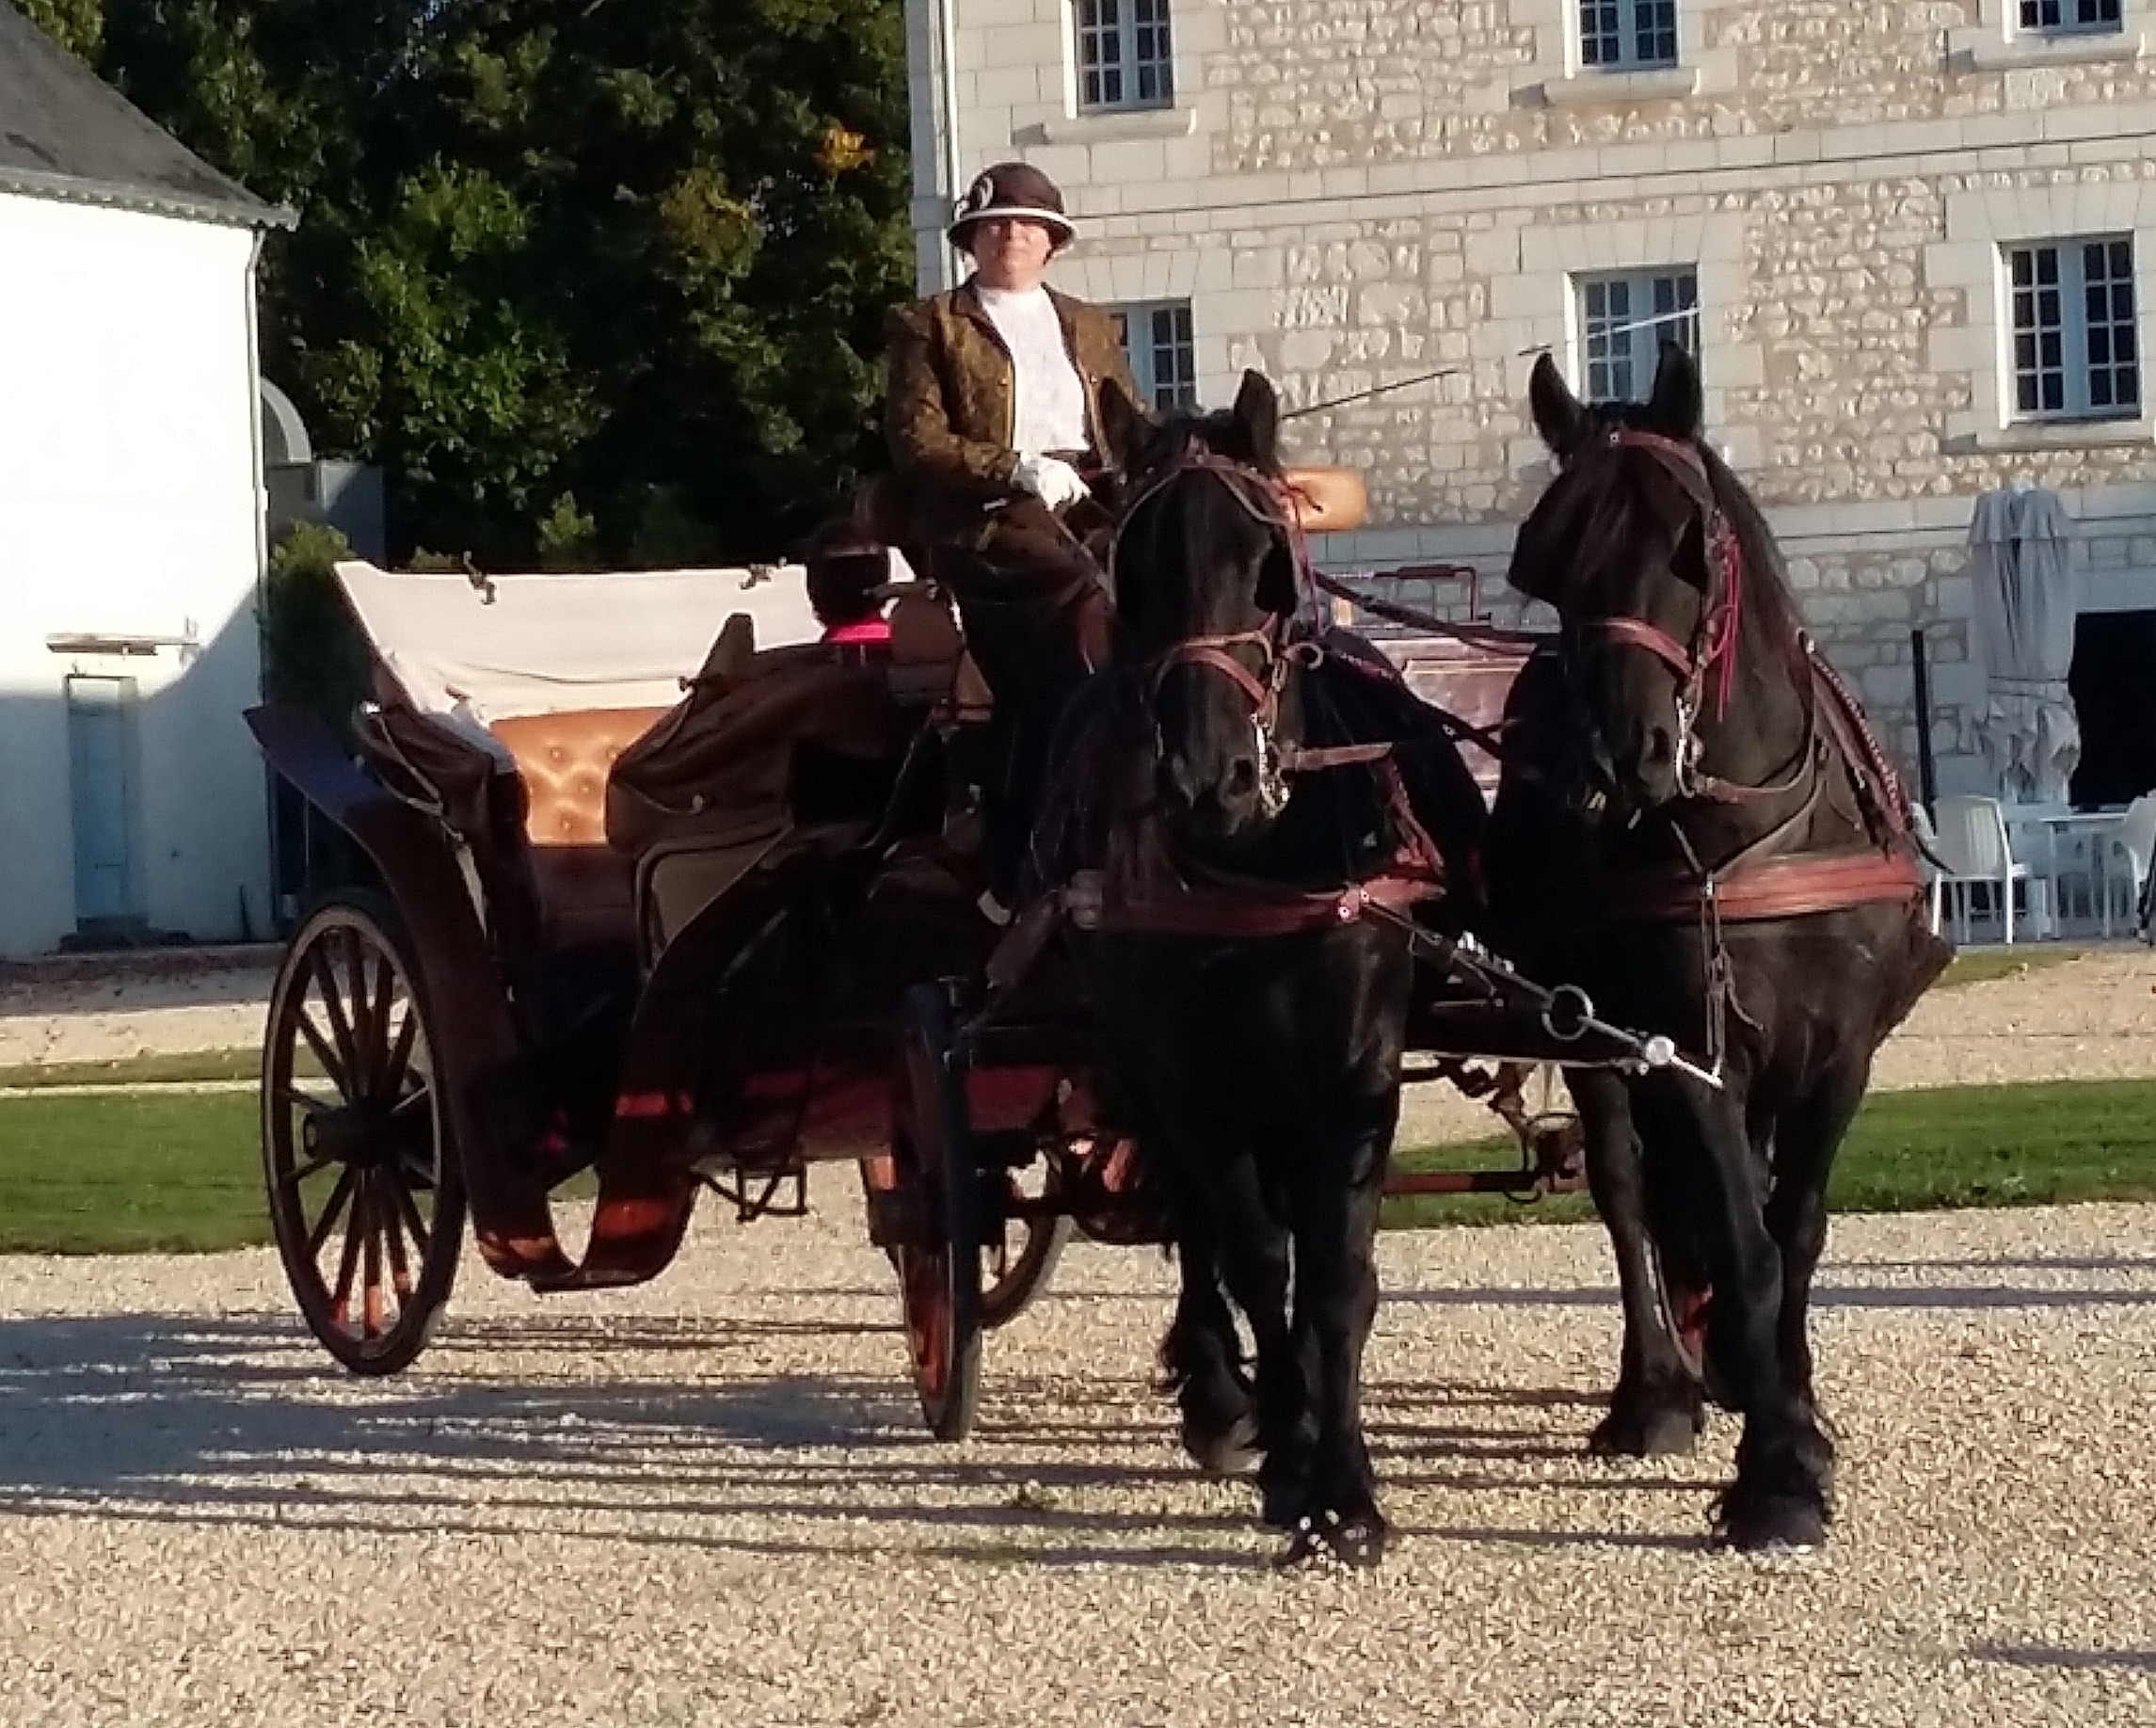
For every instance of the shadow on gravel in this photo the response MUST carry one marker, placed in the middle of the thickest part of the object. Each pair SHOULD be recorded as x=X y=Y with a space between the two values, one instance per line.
x=1823 y=1296
x=2142 y=1265
x=2043 y=1655
x=238 y=1422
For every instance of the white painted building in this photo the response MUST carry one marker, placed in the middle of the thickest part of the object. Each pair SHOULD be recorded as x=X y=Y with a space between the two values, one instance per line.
x=1349 y=193
x=132 y=799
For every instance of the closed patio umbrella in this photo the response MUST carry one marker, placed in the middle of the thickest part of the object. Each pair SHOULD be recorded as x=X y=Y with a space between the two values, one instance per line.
x=2026 y=602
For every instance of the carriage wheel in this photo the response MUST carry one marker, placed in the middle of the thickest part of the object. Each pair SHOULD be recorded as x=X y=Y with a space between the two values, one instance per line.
x=366 y=1196
x=939 y=1262
x=1011 y=1275
x=1017 y=1276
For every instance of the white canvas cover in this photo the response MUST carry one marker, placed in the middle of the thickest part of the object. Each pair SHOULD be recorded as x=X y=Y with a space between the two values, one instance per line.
x=557 y=642
x=2026 y=608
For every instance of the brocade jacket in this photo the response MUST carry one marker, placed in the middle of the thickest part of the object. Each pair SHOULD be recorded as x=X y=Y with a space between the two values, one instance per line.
x=952 y=400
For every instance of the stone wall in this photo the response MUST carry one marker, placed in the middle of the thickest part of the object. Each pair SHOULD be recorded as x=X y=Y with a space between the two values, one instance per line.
x=1356 y=193
x=1315 y=84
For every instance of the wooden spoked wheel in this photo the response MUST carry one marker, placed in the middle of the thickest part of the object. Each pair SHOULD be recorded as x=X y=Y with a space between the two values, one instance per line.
x=1018 y=1260
x=366 y=1196
x=938 y=1260
x=1015 y=1262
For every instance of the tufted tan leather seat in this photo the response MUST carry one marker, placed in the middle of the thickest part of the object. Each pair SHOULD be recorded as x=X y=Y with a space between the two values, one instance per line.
x=585 y=887
x=1330 y=499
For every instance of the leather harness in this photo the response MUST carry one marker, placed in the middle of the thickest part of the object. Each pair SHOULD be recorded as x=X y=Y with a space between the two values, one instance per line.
x=1762 y=880
x=1182 y=896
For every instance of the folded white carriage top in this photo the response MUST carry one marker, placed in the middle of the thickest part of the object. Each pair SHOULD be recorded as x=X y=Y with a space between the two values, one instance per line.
x=556 y=642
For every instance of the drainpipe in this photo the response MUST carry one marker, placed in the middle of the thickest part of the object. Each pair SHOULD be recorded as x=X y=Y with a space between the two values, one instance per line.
x=270 y=917
x=946 y=93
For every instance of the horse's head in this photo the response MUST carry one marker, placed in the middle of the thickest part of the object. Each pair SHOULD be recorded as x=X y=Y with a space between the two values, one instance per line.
x=1205 y=570
x=1619 y=545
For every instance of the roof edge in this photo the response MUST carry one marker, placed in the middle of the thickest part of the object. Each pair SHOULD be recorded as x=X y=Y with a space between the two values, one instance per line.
x=240 y=212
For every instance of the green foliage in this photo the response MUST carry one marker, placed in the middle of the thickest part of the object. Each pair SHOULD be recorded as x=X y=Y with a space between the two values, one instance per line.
x=567 y=536
x=77 y=25
x=635 y=256
x=313 y=654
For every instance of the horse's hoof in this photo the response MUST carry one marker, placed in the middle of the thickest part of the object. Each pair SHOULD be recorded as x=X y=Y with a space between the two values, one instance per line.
x=1768 y=1524
x=1281 y=1504
x=1641 y=1429
x=1223 y=1452
x=1357 y=1541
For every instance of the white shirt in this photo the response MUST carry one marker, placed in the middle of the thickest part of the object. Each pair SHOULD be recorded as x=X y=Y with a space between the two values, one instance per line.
x=1050 y=396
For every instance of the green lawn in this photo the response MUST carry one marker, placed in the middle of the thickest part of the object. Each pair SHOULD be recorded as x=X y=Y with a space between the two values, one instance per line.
x=1983 y=965
x=145 y=1070
x=160 y=1172
x=1908 y=1151
x=181 y=1172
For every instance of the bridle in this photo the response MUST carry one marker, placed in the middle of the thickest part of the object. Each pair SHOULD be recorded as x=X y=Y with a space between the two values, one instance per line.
x=1271 y=503
x=1705 y=666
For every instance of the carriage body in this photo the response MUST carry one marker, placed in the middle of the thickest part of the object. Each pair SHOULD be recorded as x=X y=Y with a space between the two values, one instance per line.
x=652 y=869
x=671 y=896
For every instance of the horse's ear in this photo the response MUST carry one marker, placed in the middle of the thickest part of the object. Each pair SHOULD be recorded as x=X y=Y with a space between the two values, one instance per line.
x=1123 y=431
x=1558 y=414
x=1678 y=407
x=1257 y=412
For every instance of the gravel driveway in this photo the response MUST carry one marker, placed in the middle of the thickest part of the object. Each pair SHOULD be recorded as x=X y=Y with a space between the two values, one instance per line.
x=708 y=1501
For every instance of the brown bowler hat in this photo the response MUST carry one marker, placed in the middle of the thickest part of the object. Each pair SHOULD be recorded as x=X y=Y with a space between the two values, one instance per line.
x=1012 y=189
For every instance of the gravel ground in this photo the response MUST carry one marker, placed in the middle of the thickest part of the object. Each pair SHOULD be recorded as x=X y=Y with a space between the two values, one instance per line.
x=708 y=1501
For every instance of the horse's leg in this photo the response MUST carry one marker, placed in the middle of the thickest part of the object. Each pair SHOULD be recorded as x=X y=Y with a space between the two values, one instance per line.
x=1256 y=1264
x=1336 y=1303
x=1158 y=1082
x=1807 y=1136
x=1658 y=1407
x=1779 y=1497
x=1201 y=1359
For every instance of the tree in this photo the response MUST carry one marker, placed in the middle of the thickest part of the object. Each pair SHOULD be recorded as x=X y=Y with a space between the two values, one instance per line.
x=77 y=25
x=579 y=274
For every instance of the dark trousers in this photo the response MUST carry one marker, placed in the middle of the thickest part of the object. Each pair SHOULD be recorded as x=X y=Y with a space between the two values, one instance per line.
x=1034 y=615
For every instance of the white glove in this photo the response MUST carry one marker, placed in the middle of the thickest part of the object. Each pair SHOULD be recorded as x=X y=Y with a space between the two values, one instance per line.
x=1051 y=479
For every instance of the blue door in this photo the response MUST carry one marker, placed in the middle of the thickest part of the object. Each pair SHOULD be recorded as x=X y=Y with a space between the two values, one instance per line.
x=99 y=716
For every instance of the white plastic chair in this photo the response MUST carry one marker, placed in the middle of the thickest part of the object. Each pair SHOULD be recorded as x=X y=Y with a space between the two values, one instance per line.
x=2126 y=853
x=1920 y=819
x=1972 y=844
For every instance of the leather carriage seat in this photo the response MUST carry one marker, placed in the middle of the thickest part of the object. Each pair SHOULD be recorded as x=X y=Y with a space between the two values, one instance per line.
x=923 y=632
x=587 y=894
x=1330 y=499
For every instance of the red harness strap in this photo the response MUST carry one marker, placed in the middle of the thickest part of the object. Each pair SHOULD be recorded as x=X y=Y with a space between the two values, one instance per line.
x=1792 y=886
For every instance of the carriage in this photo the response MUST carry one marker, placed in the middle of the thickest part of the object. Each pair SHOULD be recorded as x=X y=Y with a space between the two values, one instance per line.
x=668 y=895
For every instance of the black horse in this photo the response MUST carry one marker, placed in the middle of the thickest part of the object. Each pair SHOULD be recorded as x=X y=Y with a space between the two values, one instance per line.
x=1251 y=1017
x=1545 y=911
x=1755 y=894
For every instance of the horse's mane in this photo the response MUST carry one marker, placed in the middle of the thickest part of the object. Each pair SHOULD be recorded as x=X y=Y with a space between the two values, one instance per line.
x=1608 y=496
x=1767 y=577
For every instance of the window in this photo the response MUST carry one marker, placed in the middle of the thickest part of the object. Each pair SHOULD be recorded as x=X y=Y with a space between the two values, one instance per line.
x=1623 y=321
x=1163 y=351
x=1620 y=35
x=2077 y=355
x=2069 y=15
x=1123 y=58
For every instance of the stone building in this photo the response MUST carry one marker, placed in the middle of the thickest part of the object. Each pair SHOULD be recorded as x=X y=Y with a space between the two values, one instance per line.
x=1913 y=245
